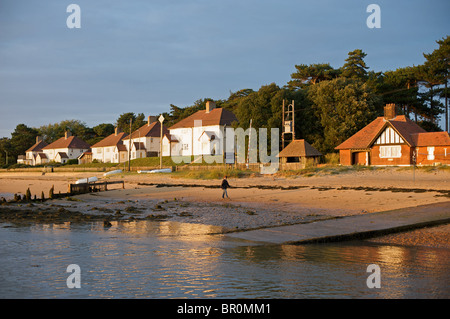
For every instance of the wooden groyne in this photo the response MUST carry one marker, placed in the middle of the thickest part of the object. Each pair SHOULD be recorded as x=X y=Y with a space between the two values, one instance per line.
x=83 y=188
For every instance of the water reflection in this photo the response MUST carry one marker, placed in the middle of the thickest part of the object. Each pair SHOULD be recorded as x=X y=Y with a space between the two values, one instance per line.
x=176 y=260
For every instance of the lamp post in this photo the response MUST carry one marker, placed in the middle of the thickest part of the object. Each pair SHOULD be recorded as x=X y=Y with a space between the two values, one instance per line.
x=161 y=120
x=129 y=149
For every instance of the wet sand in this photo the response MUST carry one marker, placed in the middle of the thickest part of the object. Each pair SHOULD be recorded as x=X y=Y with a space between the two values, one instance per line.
x=258 y=201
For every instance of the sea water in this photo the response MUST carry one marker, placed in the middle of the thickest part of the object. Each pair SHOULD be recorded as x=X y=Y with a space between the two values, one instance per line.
x=150 y=259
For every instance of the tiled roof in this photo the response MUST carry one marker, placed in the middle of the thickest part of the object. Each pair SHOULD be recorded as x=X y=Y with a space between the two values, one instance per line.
x=70 y=142
x=171 y=138
x=406 y=127
x=139 y=146
x=299 y=148
x=37 y=147
x=111 y=140
x=218 y=116
x=364 y=138
x=63 y=155
x=152 y=130
x=431 y=139
x=121 y=148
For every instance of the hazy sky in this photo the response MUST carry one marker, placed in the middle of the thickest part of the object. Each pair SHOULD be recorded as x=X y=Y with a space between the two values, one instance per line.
x=141 y=56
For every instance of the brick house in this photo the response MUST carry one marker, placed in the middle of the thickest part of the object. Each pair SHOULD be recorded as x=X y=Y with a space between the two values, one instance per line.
x=395 y=140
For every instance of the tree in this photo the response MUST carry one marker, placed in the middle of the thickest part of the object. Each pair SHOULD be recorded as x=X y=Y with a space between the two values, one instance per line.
x=5 y=147
x=312 y=74
x=430 y=79
x=355 y=66
x=52 y=132
x=22 y=139
x=103 y=130
x=343 y=106
x=401 y=88
x=123 y=122
x=436 y=72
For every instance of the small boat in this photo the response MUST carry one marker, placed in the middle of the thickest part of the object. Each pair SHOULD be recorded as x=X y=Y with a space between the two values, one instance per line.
x=117 y=171
x=86 y=180
x=163 y=170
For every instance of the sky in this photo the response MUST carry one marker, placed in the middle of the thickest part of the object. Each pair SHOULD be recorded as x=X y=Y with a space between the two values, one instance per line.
x=141 y=56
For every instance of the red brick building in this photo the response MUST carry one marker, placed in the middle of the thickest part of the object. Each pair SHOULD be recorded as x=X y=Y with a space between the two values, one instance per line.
x=395 y=140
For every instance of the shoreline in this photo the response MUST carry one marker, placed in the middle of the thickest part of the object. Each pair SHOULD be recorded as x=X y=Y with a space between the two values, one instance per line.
x=265 y=201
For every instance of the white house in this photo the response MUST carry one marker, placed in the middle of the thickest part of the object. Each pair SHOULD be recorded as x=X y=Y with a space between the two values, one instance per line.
x=145 y=140
x=66 y=148
x=108 y=149
x=33 y=155
x=202 y=132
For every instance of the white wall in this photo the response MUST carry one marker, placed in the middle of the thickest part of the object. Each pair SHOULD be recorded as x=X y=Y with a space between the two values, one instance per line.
x=72 y=153
x=189 y=143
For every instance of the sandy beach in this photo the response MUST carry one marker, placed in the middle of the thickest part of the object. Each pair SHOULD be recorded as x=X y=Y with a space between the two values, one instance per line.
x=262 y=201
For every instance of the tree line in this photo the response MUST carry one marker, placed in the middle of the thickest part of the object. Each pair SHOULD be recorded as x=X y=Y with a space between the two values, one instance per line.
x=331 y=104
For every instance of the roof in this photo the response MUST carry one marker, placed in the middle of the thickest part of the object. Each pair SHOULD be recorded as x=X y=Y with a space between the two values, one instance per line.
x=85 y=154
x=121 y=148
x=209 y=135
x=364 y=138
x=70 y=142
x=62 y=155
x=152 y=130
x=217 y=116
x=171 y=138
x=42 y=155
x=139 y=146
x=37 y=147
x=111 y=140
x=431 y=139
x=299 y=148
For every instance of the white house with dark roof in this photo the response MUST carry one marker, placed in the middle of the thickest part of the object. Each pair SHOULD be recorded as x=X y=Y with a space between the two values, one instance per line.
x=34 y=155
x=107 y=150
x=202 y=132
x=66 y=148
x=145 y=141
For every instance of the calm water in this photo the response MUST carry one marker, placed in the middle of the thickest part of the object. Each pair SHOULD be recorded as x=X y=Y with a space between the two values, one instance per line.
x=175 y=260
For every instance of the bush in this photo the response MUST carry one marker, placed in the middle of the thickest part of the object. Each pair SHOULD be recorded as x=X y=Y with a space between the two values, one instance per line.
x=332 y=158
x=72 y=161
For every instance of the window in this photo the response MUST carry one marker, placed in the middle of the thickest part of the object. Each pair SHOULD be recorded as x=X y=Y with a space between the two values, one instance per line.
x=391 y=151
x=185 y=147
x=430 y=155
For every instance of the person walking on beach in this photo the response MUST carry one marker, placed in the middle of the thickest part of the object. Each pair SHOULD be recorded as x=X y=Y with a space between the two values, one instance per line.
x=224 y=187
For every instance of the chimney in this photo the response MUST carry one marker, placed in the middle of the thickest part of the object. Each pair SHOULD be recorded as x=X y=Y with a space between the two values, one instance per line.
x=67 y=134
x=151 y=119
x=117 y=130
x=38 y=139
x=210 y=105
x=389 y=111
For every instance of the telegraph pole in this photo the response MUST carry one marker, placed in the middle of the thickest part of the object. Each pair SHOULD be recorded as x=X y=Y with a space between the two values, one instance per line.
x=161 y=120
